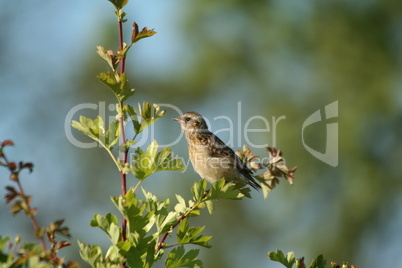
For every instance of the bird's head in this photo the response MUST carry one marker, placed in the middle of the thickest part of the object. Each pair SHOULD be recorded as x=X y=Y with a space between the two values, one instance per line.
x=192 y=122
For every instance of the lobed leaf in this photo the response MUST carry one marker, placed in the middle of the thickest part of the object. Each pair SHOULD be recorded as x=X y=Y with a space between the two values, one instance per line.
x=118 y=84
x=166 y=221
x=144 y=33
x=132 y=113
x=151 y=161
x=95 y=129
x=108 y=56
x=278 y=256
x=178 y=258
x=149 y=113
x=7 y=143
x=90 y=254
x=210 y=206
x=12 y=193
x=190 y=235
x=198 y=190
x=224 y=190
x=109 y=224
x=119 y=4
x=318 y=262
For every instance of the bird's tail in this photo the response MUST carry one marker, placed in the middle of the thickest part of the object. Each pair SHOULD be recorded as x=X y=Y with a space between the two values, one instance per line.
x=251 y=181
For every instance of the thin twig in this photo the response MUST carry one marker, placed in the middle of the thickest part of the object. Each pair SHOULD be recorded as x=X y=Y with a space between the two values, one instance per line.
x=136 y=186
x=123 y=138
x=182 y=217
x=123 y=60
x=29 y=209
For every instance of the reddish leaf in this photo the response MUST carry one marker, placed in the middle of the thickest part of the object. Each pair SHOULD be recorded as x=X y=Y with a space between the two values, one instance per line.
x=64 y=231
x=63 y=244
x=12 y=193
x=11 y=189
x=28 y=165
x=12 y=166
x=135 y=32
x=7 y=143
x=143 y=34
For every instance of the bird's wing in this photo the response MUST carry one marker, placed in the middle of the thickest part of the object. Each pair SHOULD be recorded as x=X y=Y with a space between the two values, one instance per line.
x=219 y=149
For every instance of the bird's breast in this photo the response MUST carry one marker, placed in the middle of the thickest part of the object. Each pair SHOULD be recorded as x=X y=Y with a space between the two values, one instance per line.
x=210 y=167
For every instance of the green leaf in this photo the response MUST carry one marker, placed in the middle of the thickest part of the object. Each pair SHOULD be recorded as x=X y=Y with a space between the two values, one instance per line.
x=150 y=162
x=108 y=57
x=152 y=203
x=178 y=258
x=152 y=149
x=149 y=113
x=122 y=53
x=16 y=207
x=95 y=129
x=112 y=134
x=133 y=117
x=138 y=221
x=190 y=235
x=318 y=262
x=181 y=207
x=182 y=229
x=3 y=242
x=124 y=147
x=118 y=84
x=90 y=254
x=35 y=261
x=139 y=248
x=151 y=255
x=198 y=190
x=164 y=161
x=109 y=224
x=119 y=4
x=40 y=232
x=165 y=222
x=223 y=190
x=144 y=162
x=114 y=233
x=278 y=256
x=137 y=36
x=134 y=258
x=210 y=206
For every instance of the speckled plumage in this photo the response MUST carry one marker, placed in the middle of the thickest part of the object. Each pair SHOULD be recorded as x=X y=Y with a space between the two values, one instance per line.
x=211 y=158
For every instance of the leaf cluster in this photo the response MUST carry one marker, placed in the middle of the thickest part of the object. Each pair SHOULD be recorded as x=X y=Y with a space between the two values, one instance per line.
x=289 y=260
x=34 y=255
x=151 y=161
x=274 y=167
x=149 y=224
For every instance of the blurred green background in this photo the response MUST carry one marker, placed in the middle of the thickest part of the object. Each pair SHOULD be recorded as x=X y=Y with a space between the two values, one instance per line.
x=284 y=59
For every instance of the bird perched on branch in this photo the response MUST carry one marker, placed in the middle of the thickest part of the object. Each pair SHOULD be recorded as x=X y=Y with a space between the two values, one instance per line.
x=211 y=158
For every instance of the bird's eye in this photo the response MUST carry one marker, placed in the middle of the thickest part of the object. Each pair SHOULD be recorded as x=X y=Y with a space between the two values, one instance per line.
x=187 y=119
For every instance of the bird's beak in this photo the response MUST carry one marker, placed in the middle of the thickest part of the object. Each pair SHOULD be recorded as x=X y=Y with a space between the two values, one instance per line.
x=178 y=119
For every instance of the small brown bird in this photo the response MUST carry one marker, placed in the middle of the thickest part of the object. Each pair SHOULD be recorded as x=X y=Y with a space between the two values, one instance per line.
x=212 y=159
